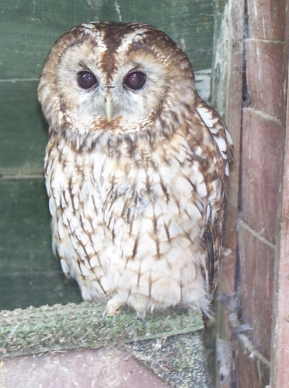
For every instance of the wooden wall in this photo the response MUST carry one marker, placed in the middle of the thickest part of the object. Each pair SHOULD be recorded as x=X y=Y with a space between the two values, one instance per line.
x=251 y=309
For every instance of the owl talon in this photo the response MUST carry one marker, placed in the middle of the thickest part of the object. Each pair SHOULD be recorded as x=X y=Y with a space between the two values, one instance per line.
x=112 y=307
x=109 y=312
x=141 y=315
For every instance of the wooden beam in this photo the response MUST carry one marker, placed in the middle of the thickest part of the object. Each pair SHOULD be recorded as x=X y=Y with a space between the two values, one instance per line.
x=280 y=340
x=227 y=98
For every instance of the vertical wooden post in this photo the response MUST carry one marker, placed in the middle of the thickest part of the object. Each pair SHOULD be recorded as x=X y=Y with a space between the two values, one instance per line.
x=280 y=337
x=280 y=348
x=227 y=98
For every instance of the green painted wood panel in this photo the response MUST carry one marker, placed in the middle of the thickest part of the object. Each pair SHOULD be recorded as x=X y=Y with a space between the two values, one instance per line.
x=30 y=27
x=23 y=130
x=22 y=233
x=29 y=274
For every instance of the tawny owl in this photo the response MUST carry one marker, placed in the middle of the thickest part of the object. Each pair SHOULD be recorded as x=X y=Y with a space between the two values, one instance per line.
x=136 y=168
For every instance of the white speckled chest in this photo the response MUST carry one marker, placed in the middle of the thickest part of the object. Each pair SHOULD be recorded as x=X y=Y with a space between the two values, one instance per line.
x=128 y=227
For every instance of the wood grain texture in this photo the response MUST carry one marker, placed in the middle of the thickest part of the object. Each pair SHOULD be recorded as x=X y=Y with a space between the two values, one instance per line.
x=264 y=61
x=257 y=279
x=30 y=28
x=29 y=274
x=280 y=339
x=267 y=19
x=262 y=165
x=251 y=371
x=227 y=81
x=23 y=130
x=262 y=146
x=227 y=98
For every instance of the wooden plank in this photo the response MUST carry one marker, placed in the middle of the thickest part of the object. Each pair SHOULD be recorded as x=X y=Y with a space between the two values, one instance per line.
x=280 y=340
x=264 y=61
x=29 y=274
x=262 y=146
x=262 y=139
x=25 y=236
x=256 y=287
x=24 y=133
x=280 y=371
x=227 y=98
x=31 y=27
x=251 y=371
x=267 y=19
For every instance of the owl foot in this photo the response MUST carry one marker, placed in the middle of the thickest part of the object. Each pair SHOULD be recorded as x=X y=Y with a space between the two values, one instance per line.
x=112 y=306
x=139 y=303
x=141 y=313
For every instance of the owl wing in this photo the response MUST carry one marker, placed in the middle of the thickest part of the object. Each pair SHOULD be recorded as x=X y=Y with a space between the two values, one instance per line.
x=218 y=129
x=212 y=238
x=212 y=232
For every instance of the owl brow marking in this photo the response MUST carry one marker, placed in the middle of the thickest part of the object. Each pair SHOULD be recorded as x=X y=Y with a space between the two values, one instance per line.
x=112 y=40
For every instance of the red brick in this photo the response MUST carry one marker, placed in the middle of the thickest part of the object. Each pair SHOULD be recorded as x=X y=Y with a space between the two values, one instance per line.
x=266 y=19
x=256 y=287
x=261 y=161
x=265 y=77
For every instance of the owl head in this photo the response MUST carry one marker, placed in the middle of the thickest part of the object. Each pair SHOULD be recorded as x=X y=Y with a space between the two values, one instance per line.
x=113 y=76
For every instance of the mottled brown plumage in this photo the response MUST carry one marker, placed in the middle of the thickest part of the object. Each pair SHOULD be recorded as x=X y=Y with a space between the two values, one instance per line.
x=136 y=168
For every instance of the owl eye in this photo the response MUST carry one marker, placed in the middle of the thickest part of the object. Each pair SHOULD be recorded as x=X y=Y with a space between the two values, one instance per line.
x=86 y=79
x=135 y=80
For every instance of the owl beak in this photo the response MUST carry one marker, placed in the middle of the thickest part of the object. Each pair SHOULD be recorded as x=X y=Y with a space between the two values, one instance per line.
x=108 y=107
